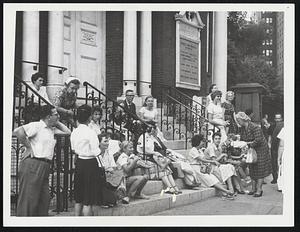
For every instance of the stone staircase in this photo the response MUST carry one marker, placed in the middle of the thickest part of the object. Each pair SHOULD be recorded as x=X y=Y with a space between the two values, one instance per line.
x=158 y=202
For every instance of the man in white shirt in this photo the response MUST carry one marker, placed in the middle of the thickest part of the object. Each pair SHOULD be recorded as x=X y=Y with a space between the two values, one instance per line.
x=34 y=169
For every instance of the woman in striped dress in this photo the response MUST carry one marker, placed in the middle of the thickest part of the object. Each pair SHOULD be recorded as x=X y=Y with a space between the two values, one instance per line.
x=253 y=135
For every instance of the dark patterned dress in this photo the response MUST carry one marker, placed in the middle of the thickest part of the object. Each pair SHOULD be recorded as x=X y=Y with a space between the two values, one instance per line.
x=262 y=167
x=228 y=115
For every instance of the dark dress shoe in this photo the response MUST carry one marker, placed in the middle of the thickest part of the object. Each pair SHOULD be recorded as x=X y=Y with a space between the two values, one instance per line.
x=258 y=194
x=240 y=192
x=274 y=182
x=251 y=192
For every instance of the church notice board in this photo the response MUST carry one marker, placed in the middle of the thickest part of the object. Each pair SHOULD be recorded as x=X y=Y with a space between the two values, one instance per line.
x=189 y=61
x=188 y=50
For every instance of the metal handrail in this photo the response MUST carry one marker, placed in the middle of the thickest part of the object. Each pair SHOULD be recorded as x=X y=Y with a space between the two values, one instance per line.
x=183 y=94
x=49 y=65
x=192 y=111
x=116 y=103
x=28 y=86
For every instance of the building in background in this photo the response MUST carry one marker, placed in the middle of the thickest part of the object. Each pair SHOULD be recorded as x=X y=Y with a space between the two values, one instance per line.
x=115 y=51
x=280 y=48
x=272 y=45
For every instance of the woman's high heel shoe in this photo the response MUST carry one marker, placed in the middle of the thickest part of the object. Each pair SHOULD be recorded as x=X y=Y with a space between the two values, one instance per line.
x=258 y=194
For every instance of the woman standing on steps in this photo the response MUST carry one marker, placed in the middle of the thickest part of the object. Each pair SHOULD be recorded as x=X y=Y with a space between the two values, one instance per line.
x=215 y=114
x=229 y=114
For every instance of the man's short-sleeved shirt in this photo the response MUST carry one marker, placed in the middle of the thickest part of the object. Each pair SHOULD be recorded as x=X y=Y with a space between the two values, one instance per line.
x=41 y=138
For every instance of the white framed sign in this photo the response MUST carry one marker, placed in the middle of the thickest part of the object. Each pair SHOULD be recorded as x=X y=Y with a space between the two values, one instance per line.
x=188 y=50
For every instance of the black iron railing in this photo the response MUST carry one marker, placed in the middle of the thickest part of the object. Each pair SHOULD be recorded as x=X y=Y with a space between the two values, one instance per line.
x=26 y=103
x=114 y=115
x=185 y=99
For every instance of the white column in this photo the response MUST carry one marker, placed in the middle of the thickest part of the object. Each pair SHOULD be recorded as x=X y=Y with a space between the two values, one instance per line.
x=55 y=51
x=219 y=75
x=130 y=51
x=145 y=53
x=30 y=51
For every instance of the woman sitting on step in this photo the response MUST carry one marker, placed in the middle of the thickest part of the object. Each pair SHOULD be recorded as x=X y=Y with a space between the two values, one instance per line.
x=197 y=160
x=157 y=152
x=128 y=161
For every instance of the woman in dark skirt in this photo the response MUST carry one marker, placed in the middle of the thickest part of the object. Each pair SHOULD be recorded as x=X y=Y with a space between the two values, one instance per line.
x=253 y=135
x=89 y=178
x=229 y=114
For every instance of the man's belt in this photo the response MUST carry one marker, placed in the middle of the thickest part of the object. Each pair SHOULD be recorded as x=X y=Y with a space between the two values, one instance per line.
x=42 y=159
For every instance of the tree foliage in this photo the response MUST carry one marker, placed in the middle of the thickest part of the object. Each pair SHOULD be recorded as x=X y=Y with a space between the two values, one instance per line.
x=245 y=62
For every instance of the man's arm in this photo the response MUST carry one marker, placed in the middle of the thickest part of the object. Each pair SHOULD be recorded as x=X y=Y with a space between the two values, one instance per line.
x=62 y=128
x=21 y=135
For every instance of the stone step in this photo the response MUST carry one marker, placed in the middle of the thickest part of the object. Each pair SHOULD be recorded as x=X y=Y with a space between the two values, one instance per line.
x=157 y=203
x=177 y=144
x=183 y=151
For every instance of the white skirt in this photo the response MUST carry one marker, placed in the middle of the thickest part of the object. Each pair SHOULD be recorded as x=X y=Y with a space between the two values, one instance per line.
x=224 y=171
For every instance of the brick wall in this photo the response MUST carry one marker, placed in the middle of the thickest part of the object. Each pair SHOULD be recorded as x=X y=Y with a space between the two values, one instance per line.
x=114 y=53
x=163 y=50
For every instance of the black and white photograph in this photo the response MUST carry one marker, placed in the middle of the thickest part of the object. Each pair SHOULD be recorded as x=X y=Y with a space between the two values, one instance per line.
x=150 y=114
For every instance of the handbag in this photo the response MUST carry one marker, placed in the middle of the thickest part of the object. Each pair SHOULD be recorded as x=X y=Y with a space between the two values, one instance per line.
x=115 y=178
x=205 y=168
x=251 y=156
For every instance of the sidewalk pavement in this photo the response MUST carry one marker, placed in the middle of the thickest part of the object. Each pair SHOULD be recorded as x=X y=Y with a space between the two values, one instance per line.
x=271 y=203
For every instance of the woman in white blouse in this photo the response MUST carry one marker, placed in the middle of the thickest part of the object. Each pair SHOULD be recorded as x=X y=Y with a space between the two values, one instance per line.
x=150 y=114
x=37 y=80
x=89 y=178
x=215 y=114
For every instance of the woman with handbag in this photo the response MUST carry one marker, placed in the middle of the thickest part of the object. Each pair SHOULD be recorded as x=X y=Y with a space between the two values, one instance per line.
x=253 y=135
x=149 y=143
x=201 y=166
x=127 y=161
x=114 y=176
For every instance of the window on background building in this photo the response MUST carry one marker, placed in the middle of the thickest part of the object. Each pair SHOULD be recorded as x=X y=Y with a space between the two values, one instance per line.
x=267 y=20
x=263 y=42
x=270 y=20
x=271 y=41
x=271 y=62
x=267 y=42
x=271 y=52
x=271 y=30
x=264 y=52
x=267 y=31
x=267 y=52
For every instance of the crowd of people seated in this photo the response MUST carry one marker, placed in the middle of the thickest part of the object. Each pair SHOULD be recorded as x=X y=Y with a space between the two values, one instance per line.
x=111 y=168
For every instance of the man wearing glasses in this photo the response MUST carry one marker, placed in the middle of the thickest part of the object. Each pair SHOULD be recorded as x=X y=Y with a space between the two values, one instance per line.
x=129 y=106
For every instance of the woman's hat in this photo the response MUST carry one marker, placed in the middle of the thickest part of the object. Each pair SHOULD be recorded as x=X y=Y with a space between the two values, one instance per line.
x=243 y=116
x=71 y=79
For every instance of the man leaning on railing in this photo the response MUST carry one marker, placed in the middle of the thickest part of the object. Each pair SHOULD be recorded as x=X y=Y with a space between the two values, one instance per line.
x=65 y=100
x=34 y=169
